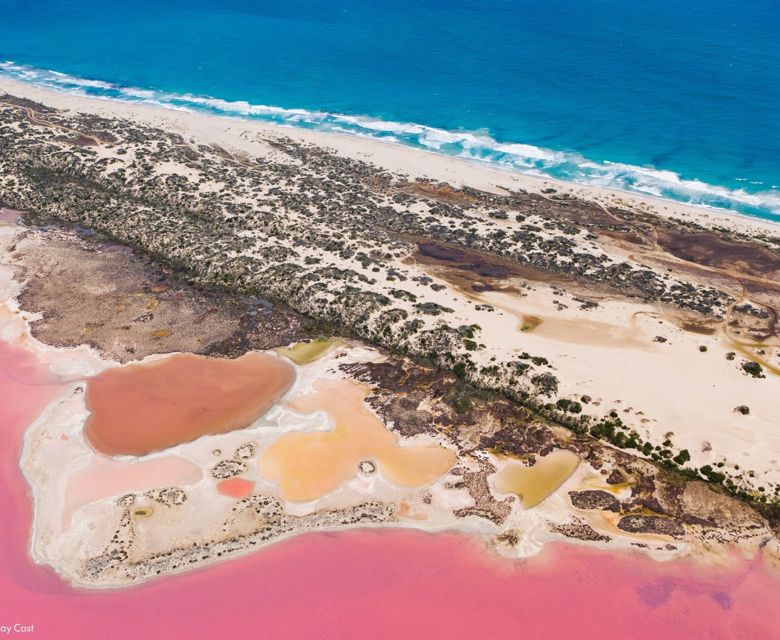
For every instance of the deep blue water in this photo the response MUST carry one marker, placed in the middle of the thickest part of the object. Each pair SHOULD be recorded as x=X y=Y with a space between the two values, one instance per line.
x=679 y=98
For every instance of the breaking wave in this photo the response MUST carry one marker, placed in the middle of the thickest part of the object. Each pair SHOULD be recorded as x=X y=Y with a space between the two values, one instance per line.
x=472 y=145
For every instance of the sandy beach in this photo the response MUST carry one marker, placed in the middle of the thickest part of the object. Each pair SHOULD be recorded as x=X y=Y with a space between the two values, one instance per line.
x=247 y=136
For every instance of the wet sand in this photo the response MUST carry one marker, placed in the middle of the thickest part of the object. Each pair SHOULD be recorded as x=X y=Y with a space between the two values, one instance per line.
x=85 y=290
x=141 y=408
x=308 y=466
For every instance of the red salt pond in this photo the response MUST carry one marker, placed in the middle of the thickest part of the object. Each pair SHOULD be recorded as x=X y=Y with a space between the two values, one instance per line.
x=236 y=488
x=368 y=584
x=140 y=408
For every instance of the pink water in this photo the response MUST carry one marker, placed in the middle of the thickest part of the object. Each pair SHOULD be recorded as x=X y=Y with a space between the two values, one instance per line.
x=368 y=584
x=9 y=215
x=104 y=478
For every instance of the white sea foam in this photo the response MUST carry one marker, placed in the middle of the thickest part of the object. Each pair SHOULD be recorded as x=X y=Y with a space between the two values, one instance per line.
x=472 y=145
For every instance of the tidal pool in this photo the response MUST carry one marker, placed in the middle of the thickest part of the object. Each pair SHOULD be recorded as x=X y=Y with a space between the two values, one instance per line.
x=239 y=488
x=307 y=466
x=140 y=408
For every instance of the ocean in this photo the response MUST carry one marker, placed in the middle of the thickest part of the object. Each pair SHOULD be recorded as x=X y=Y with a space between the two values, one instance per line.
x=672 y=98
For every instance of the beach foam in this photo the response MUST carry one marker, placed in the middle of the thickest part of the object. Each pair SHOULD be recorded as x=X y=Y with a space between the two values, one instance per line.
x=479 y=146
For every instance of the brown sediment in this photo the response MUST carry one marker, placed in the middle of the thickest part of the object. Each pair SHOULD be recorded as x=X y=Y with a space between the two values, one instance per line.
x=473 y=273
x=87 y=291
x=703 y=327
x=491 y=267
x=529 y=323
x=141 y=408
x=708 y=249
x=478 y=263
x=535 y=484
x=752 y=322
x=764 y=293
x=308 y=466
x=80 y=140
x=629 y=237
x=751 y=327
x=458 y=266
x=485 y=504
x=417 y=400
x=440 y=191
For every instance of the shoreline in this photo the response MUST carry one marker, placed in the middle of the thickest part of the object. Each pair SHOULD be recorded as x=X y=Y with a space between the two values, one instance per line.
x=391 y=156
x=385 y=555
x=626 y=547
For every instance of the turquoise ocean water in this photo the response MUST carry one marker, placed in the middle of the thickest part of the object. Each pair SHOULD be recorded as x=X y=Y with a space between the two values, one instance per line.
x=675 y=98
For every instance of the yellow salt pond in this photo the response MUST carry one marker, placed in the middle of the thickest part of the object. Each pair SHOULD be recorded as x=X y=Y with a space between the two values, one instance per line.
x=307 y=466
x=302 y=353
x=535 y=484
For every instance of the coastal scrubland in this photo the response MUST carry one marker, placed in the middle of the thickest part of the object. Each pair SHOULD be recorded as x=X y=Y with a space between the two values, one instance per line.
x=502 y=318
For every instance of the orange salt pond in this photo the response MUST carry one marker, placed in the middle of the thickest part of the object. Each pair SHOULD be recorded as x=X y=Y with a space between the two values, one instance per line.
x=535 y=484
x=308 y=466
x=140 y=408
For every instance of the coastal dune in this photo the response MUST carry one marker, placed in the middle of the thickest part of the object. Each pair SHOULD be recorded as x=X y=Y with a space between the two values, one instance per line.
x=673 y=287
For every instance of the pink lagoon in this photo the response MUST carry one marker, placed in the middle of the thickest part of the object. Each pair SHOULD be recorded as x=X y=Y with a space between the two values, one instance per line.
x=368 y=583
x=372 y=320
